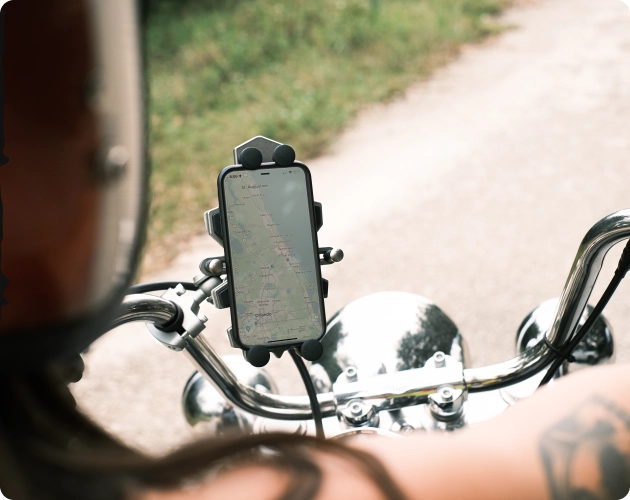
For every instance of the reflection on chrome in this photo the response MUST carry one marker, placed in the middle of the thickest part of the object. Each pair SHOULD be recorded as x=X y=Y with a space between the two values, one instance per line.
x=203 y=404
x=388 y=332
x=144 y=307
x=598 y=347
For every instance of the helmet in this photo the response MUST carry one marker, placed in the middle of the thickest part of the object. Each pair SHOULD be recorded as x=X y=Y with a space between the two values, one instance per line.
x=72 y=173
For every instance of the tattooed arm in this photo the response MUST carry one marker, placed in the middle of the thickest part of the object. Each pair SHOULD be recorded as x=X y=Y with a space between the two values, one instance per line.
x=595 y=436
x=570 y=441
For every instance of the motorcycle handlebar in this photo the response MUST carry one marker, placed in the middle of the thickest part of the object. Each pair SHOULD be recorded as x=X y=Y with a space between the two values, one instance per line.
x=587 y=264
x=586 y=267
x=268 y=405
x=144 y=307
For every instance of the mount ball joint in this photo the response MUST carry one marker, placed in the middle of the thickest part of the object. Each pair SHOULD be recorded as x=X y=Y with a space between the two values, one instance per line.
x=311 y=350
x=257 y=356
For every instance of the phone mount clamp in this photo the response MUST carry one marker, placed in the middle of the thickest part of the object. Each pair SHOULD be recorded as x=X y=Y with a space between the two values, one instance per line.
x=252 y=154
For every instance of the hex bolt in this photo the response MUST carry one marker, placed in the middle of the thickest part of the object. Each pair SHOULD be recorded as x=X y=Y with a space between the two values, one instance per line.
x=179 y=289
x=356 y=409
x=446 y=393
x=440 y=359
x=357 y=413
x=351 y=374
x=447 y=404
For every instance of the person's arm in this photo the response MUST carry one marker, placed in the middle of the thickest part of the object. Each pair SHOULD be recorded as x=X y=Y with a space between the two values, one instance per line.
x=568 y=441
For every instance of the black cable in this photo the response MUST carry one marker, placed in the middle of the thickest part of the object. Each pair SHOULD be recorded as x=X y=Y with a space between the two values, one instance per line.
x=159 y=285
x=571 y=344
x=310 y=390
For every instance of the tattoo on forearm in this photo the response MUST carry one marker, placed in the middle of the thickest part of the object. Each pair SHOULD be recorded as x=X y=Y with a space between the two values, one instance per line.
x=587 y=455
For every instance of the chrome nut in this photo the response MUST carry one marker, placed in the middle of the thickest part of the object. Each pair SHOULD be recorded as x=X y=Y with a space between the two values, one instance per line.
x=447 y=403
x=358 y=413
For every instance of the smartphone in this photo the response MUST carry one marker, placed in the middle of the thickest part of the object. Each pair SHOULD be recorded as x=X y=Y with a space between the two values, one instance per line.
x=271 y=251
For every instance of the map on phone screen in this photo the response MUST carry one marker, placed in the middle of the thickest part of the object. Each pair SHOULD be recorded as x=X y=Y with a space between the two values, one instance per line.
x=272 y=253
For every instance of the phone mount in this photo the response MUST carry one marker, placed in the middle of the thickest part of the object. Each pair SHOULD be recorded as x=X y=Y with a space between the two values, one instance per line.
x=252 y=154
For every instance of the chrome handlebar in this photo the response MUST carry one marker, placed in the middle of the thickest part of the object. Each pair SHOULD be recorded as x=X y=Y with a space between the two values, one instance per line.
x=147 y=308
x=413 y=386
x=212 y=366
x=609 y=231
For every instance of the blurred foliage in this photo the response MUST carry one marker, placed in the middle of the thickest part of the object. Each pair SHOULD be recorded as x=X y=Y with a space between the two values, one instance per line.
x=296 y=71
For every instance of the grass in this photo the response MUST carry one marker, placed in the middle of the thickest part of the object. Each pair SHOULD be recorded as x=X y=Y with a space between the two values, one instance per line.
x=296 y=71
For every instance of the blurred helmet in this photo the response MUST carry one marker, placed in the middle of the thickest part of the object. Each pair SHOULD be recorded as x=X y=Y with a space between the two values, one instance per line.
x=72 y=173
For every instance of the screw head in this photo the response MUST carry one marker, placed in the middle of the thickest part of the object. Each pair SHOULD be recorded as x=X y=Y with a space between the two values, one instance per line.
x=358 y=413
x=351 y=373
x=356 y=409
x=440 y=359
x=447 y=404
x=446 y=393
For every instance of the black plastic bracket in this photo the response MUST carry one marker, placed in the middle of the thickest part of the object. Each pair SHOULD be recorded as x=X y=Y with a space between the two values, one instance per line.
x=263 y=144
x=325 y=288
x=319 y=215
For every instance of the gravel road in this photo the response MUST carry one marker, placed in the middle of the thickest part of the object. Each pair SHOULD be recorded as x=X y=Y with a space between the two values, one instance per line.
x=473 y=190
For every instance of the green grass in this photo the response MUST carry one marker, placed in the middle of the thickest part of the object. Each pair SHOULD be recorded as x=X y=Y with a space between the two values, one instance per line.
x=296 y=71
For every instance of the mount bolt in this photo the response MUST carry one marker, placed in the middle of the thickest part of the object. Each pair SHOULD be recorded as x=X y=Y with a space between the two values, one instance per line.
x=351 y=374
x=215 y=266
x=356 y=409
x=446 y=393
x=439 y=359
x=336 y=255
x=357 y=413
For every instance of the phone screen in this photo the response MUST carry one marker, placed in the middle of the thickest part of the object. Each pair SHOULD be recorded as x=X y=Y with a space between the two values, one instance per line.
x=273 y=256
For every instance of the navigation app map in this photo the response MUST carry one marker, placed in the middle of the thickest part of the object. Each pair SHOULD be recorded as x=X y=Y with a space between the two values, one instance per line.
x=271 y=249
